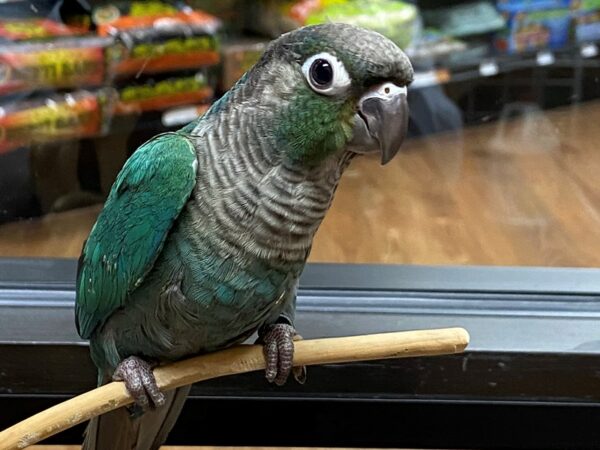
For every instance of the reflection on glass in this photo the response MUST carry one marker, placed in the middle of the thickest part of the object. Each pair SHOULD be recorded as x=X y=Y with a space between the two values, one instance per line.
x=500 y=168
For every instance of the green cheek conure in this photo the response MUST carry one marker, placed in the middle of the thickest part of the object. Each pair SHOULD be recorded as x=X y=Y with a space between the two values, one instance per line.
x=206 y=230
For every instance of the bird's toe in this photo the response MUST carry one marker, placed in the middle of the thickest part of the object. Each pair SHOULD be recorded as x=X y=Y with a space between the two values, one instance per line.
x=278 y=347
x=140 y=382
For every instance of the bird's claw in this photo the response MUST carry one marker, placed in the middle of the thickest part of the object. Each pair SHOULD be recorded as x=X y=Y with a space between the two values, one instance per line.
x=140 y=382
x=278 y=348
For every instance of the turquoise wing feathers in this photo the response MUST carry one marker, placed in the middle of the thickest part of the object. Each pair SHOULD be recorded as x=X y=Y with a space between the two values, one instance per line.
x=142 y=206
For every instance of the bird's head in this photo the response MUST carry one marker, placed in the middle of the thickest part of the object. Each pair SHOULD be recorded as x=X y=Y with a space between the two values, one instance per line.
x=335 y=88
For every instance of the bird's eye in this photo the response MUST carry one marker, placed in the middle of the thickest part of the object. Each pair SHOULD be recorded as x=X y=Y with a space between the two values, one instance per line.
x=321 y=72
x=326 y=74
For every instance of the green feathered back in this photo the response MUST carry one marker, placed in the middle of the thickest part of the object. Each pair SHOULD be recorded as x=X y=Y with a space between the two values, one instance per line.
x=146 y=198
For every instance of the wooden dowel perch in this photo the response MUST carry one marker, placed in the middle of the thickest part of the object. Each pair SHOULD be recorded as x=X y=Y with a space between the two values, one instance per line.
x=240 y=359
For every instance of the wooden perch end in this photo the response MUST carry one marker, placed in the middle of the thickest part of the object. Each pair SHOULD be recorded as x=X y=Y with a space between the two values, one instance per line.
x=239 y=359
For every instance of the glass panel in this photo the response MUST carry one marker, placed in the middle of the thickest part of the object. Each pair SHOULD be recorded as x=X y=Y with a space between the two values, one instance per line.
x=499 y=167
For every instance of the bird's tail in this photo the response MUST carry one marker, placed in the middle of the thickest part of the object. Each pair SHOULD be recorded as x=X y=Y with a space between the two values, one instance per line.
x=117 y=430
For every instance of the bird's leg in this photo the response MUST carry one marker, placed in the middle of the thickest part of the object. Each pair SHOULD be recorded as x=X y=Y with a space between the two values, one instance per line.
x=137 y=373
x=278 y=347
x=140 y=382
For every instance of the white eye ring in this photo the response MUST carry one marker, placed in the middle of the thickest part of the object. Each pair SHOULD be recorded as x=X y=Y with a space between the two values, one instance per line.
x=340 y=80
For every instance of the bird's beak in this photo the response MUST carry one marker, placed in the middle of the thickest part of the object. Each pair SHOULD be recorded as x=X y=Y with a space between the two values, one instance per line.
x=381 y=121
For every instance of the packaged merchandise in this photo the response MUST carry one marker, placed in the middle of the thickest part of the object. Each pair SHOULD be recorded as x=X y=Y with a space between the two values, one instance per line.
x=435 y=44
x=397 y=20
x=12 y=29
x=43 y=19
x=54 y=118
x=160 y=94
x=586 y=20
x=465 y=19
x=229 y=12
x=155 y=36
x=534 y=24
x=60 y=63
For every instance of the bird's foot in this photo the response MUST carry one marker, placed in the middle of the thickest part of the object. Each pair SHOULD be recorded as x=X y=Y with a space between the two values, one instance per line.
x=278 y=347
x=140 y=382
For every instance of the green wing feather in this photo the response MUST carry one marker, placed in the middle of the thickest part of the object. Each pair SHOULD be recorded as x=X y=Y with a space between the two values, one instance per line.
x=144 y=202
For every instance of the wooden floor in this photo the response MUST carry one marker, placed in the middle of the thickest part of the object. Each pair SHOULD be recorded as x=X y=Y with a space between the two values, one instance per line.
x=77 y=447
x=521 y=192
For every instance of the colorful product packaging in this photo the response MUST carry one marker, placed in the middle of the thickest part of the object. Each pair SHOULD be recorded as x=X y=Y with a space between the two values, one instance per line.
x=34 y=28
x=229 y=12
x=586 y=20
x=435 y=44
x=397 y=20
x=64 y=63
x=534 y=24
x=55 y=118
x=161 y=94
x=156 y=37
x=465 y=19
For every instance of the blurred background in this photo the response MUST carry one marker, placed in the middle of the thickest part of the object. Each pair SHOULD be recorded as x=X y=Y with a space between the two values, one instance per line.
x=500 y=168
